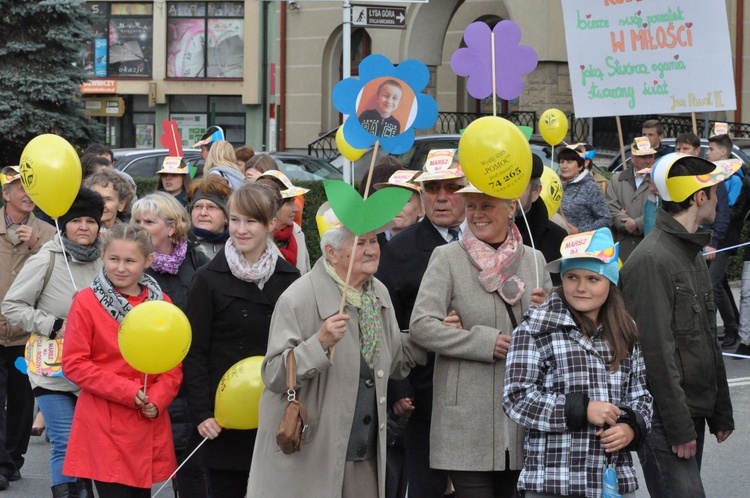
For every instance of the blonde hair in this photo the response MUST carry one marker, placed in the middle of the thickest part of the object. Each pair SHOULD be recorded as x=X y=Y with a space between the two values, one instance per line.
x=166 y=207
x=130 y=233
x=221 y=154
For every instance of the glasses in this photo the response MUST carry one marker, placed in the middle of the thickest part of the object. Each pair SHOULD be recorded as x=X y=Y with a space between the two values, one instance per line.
x=211 y=208
x=435 y=187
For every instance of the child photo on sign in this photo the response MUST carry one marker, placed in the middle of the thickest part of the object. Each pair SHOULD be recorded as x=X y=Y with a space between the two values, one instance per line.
x=384 y=104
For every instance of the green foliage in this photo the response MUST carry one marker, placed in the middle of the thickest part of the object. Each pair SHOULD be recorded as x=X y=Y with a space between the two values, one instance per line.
x=145 y=185
x=40 y=47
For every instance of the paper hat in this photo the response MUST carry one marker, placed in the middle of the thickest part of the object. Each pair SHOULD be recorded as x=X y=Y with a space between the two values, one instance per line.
x=720 y=129
x=642 y=147
x=438 y=166
x=288 y=189
x=10 y=174
x=595 y=251
x=469 y=189
x=213 y=134
x=588 y=151
x=174 y=166
x=401 y=178
x=326 y=219
x=679 y=188
x=568 y=152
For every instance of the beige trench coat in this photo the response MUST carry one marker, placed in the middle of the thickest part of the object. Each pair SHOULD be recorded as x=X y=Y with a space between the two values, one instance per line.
x=470 y=431
x=328 y=389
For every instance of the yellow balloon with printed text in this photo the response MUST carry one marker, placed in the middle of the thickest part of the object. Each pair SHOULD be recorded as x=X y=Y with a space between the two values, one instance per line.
x=347 y=150
x=552 y=190
x=495 y=157
x=51 y=173
x=553 y=126
x=238 y=395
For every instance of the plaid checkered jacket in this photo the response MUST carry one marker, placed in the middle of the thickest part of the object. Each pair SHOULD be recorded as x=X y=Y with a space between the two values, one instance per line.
x=548 y=358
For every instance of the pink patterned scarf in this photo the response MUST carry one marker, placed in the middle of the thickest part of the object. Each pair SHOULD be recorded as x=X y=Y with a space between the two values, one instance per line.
x=497 y=268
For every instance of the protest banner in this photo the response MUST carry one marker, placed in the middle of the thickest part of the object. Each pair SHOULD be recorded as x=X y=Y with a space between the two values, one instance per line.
x=648 y=56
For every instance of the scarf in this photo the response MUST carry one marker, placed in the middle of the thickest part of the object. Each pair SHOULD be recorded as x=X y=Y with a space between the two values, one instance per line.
x=84 y=254
x=370 y=321
x=286 y=243
x=170 y=263
x=210 y=236
x=497 y=268
x=258 y=273
x=115 y=303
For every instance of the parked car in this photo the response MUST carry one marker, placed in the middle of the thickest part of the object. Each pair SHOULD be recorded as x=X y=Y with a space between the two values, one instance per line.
x=741 y=151
x=415 y=157
x=298 y=167
x=146 y=162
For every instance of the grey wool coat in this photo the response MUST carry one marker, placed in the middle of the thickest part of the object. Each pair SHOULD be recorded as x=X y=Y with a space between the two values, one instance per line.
x=470 y=431
x=327 y=388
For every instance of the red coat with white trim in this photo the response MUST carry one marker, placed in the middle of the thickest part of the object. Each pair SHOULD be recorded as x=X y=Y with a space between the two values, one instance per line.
x=111 y=440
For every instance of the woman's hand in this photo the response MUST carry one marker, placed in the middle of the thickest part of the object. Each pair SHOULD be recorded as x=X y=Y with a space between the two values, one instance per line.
x=538 y=296
x=453 y=320
x=140 y=398
x=601 y=413
x=501 y=346
x=616 y=438
x=209 y=428
x=150 y=410
x=332 y=330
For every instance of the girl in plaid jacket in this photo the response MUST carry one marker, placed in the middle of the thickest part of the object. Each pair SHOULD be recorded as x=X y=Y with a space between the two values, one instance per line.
x=575 y=378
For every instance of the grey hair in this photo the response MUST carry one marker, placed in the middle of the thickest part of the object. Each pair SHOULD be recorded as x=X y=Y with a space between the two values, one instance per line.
x=535 y=183
x=335 y=238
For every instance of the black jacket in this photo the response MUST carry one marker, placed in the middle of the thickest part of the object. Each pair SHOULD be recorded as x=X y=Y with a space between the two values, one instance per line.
x=402 y=265
x=230 y=320
x=548 y=236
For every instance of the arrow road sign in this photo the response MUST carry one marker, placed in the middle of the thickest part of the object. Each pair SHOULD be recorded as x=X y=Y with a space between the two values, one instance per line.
x=379 y=16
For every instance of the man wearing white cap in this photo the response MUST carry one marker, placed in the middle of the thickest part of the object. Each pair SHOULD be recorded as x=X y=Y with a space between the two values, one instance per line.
x=667 y=290
x=21 y=236
x=403 y=262
x=626 y=195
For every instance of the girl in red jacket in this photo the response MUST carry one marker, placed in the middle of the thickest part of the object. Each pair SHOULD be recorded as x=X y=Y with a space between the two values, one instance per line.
x=121 y=437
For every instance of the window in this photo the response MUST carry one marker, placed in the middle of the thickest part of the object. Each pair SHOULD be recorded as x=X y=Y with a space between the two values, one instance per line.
x=121 y=42
x=205 y=39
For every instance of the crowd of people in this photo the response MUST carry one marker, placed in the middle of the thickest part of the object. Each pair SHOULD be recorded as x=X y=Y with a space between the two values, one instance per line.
x=473 y=347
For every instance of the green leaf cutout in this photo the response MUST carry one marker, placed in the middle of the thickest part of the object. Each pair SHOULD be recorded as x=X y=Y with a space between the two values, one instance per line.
x=362 y=216
x=526 y=130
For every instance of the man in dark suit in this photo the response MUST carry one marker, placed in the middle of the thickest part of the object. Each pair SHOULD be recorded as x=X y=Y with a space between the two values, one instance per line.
x=547 y=235
x=402 y=265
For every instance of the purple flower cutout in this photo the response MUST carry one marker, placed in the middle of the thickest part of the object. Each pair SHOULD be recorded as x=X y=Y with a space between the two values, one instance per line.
x=512 y=60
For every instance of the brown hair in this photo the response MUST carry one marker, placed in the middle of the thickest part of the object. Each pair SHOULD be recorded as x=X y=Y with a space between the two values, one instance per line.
x=380 y=173
x=273 y=189
x=244 y=153
x=654 y=123
x=261 y=162
x=210 y=185
x=253 y=201
x=618 y=327
x=130 y=233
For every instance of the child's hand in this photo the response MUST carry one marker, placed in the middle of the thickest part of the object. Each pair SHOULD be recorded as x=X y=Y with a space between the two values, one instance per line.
x=452 y=320
x=140 y=398
x=150 y=410
x=601 y=413
x=616 y=438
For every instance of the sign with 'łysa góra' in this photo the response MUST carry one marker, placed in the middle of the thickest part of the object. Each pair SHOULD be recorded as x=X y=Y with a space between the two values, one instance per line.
x=648 y=56
x=379 y=16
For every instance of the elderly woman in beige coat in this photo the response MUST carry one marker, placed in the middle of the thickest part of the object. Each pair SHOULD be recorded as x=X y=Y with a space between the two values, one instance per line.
x=345 y=393
x=472 y=296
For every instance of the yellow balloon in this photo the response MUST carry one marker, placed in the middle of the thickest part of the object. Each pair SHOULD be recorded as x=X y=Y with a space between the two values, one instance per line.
x=347 y=150
x=238 y=395
x=552 y=190
x=51 y=173
x=154 y=337
x=553 y=126
x=495 y=156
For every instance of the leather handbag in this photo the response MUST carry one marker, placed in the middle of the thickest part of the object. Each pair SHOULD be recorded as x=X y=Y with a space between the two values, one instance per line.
x=291 y=433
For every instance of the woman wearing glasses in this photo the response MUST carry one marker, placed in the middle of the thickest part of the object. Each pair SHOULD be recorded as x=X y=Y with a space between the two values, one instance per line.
x=208 y=213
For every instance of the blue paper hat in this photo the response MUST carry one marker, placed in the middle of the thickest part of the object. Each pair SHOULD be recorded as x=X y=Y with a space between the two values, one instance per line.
x=595 y=251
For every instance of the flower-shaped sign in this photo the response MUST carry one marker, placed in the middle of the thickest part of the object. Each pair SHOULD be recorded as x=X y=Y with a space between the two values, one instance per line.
x=512 y=60
x=385 y=103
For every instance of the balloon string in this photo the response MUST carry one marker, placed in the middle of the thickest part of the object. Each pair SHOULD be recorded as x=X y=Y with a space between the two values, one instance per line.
x=178 y=468
x=531 y=238
x=65 y=255
x=494 y=79
x=145 y=381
